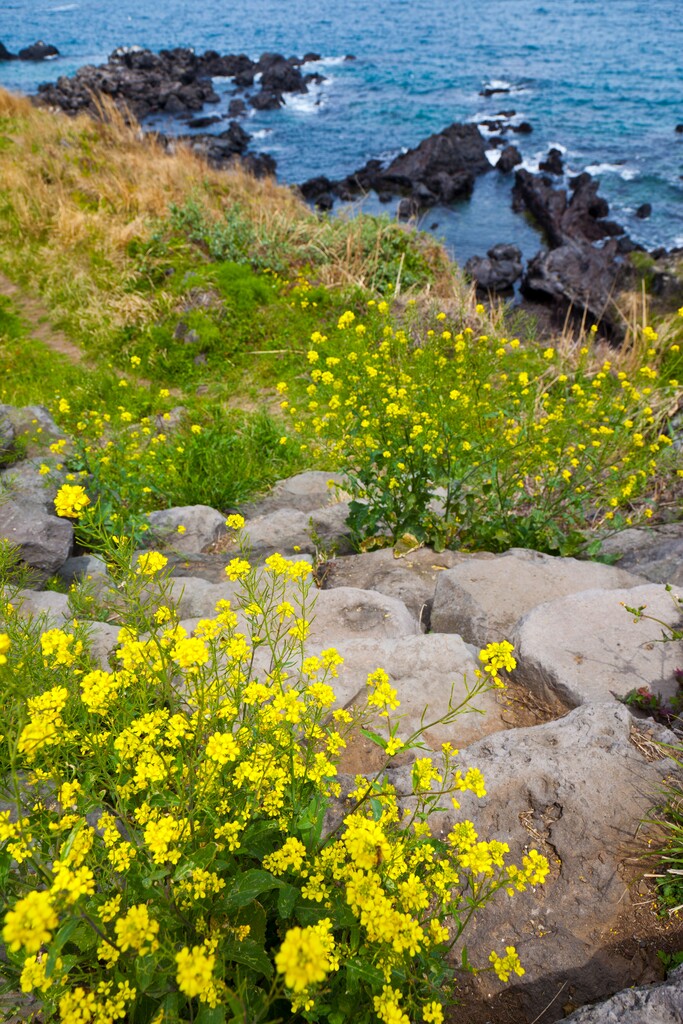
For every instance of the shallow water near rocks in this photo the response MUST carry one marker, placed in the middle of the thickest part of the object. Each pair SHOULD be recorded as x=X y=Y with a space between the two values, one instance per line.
x=601 y=80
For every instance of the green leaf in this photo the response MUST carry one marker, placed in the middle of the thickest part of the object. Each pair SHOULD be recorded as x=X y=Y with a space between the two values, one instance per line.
x=358 y=971
x=201 y=859
x=146 y=972
x=247 y=886
x=258 y=839
x=208 y=1015
x=286 y=900
x=249 y=954
x=59 y=941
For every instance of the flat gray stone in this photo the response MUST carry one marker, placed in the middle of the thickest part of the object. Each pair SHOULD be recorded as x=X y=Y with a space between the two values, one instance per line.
x=24 y=482
x=346 y=613
x=47 y=605
x=103 y=641
x=661 y=1003
x=193 y=597
x=586 y=647
x=203 y=526
x=304 y=492
x=482 y=599
x=81 y=567
x=44 y=541
x=424 y=670
x=656 y=553
x=411 y=578
x=328 y=530
x=284 y=531
x=577 y=790
x=33 y=422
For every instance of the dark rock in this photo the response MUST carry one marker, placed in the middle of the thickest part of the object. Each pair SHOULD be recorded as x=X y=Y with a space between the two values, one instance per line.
x=38 y=51
x=679 y=129
x=7 y=434
x=560 y=215
x=553 y=162
x=578 y=276
x=644 y=211
x=244 y=79
x=237 y=108
x=281 y=76
x=315 y=187
x=509 y=159
x=267 y=100
x=498 y=271
x=441 y=161
x=407 y=208
x=229 y=66
x=310 y=57
x=325 y=201
x=349 y=56
x=5 y=54
x=203 y=122
x=492 y=90
x=523 y=128
x=261 y=165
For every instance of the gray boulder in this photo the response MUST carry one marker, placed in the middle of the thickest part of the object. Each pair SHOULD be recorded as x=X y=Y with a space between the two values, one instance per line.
x=44 y=541
x=661 y=1003
x=25 y=482
x=200 y=525
x=345 y=613
x=656 y=553
x=303 y=493
x=482 y=600
x=412 y=578
x=577 y=790
x=498 y=271
x=51 y=607
x=426 y=671
x=586 y=647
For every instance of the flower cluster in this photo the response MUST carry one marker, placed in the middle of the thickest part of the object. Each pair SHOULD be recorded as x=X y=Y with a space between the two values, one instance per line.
x=449 y=434
x=172 y=850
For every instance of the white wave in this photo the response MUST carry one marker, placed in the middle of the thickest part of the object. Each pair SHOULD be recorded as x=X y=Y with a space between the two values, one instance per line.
x=328 y=62
x=63 y=7
x=498 y=84
x=625 y=173
x=262 y=133
x=306 y=103
x=558 y=145
x=493 y=156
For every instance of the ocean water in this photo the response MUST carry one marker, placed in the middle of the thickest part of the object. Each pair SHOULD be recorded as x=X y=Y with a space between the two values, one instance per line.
x=602 y=79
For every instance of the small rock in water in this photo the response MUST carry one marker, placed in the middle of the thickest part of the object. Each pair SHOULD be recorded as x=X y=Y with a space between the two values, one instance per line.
x=644 y=211
x=39 y=51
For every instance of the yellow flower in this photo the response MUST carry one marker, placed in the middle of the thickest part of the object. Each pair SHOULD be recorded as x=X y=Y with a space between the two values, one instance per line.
x=150 y=563
x=195 y=971
x=71 y=500
x=4 y=648
x=237 y=569
x=31 y=923
x=304 y=957
x=138 y=931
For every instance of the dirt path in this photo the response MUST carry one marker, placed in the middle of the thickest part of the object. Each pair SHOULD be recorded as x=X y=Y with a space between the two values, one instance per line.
x=37 y=320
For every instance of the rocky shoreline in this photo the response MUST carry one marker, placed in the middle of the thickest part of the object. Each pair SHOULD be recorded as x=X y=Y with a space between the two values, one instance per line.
x=581 y=268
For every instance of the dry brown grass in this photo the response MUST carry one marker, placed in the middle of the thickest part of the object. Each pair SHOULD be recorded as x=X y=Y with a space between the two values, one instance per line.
x=76 y=192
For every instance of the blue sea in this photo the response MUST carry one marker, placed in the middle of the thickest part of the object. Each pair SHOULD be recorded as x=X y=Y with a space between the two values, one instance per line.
x=600 y=79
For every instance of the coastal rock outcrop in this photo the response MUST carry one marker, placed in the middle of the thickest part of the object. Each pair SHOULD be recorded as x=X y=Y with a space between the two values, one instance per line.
x=498 y=270
x=439 y=169
x=576 y=273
